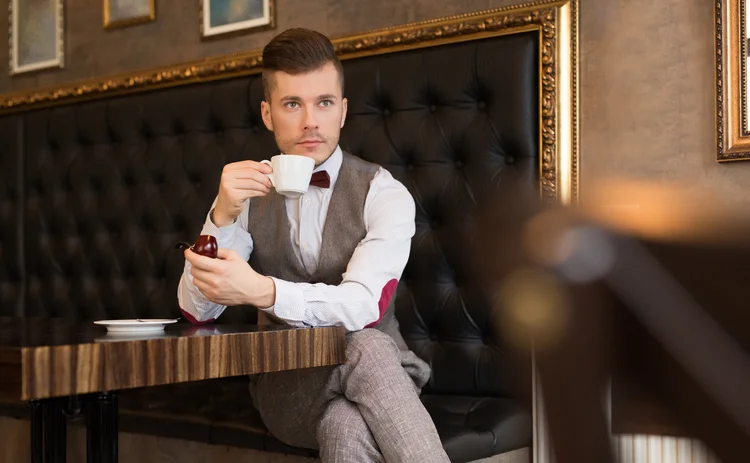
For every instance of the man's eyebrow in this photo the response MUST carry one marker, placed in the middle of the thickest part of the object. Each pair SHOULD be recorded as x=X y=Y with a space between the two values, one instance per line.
x=327 y=96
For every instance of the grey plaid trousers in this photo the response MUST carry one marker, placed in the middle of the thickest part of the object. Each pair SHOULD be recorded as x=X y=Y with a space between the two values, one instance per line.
x=366 y=410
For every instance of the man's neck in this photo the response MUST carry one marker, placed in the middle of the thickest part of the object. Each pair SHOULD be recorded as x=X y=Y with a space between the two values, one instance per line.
x=318 y=164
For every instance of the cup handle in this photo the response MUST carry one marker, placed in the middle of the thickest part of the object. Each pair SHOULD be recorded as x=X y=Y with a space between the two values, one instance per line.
x=270 y=176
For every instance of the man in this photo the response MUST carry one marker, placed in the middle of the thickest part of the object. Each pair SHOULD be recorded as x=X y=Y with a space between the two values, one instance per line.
x=332 y=257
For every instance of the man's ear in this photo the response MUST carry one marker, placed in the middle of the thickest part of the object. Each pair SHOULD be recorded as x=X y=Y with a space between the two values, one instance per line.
x=265 y=112
x=345 y=105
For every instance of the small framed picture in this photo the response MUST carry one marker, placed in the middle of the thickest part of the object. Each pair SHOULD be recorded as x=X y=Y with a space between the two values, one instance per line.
x=124 y=13
x=231 y=16
x=36 y=35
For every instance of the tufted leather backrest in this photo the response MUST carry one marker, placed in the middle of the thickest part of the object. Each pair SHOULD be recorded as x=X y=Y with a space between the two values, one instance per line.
x=452 y=123
x=11 y=263
x=110 y=185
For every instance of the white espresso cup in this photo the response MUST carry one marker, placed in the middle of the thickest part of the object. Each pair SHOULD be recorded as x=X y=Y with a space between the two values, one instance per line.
x=291 y=174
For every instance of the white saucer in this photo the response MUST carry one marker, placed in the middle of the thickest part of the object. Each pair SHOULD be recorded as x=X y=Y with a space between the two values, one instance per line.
x=137 y=325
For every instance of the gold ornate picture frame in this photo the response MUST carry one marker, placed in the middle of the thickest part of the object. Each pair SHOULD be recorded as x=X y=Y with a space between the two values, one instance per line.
x=732 y=98
x=556 y=22
x=36 y=39
x=118 y=14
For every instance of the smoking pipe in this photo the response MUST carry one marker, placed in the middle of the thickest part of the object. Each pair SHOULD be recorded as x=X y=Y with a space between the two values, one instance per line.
x=205 y=245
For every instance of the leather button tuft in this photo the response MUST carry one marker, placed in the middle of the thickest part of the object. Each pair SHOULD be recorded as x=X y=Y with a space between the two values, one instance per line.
x=410 y=167
x=481 y=105
x=433 y=108
x=510 y=159
x=386 y=112
x=459 y=165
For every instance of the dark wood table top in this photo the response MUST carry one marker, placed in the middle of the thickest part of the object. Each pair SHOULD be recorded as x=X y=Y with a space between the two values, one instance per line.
x=42 y=358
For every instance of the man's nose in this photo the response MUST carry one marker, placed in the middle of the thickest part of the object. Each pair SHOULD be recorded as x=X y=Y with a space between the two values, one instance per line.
x=310 y=120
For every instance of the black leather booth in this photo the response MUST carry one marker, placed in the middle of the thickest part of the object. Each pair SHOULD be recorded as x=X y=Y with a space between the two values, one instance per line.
x=93 y=196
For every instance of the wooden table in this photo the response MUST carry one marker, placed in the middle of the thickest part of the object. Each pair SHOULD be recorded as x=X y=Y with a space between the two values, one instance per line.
x=56 y=366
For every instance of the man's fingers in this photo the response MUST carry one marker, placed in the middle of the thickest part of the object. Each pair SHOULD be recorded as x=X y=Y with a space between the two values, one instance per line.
x=203 y=276
x=203 y=287
x=247 y=173
x=248 y=165
x=226 y=254
x=201 y=262
x=261 y=183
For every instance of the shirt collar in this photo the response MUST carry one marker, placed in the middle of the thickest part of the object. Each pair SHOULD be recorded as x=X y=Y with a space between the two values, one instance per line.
x=332 y=165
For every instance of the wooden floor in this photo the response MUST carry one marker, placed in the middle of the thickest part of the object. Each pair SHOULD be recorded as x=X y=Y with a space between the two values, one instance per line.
x=135 y=448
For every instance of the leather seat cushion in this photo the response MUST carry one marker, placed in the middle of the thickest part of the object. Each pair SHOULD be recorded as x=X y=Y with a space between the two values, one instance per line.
x=473 y=427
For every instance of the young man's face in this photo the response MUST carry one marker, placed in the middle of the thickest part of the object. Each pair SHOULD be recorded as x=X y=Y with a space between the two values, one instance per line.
x=306 y=112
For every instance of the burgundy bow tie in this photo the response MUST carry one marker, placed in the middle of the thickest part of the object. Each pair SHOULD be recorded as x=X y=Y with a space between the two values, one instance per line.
x=321 y=179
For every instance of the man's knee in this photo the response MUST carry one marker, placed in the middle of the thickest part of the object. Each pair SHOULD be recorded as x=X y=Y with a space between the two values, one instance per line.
x=340 y=422
x=371 y=345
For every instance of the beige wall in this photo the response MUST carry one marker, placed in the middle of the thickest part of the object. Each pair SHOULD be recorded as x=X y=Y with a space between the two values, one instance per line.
x=647 y=72
x=175 y=35
x=648 y=95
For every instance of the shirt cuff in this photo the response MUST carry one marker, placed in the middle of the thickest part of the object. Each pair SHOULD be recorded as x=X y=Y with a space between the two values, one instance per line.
x=290 y=302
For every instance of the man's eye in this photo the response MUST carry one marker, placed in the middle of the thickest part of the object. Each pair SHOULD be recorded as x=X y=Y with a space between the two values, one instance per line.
x=326 y=103
x=292 y=104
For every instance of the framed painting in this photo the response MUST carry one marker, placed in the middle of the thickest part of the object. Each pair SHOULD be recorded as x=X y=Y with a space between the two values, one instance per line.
x=732 y=69
x=36 y=35
x=220 y=17
x=123 y=13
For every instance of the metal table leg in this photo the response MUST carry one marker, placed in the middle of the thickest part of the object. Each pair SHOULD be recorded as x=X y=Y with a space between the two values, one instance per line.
x=48 y=431
x=101 y=428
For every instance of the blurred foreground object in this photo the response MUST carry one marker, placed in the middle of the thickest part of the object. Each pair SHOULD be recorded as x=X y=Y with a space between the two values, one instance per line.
x=641 y=295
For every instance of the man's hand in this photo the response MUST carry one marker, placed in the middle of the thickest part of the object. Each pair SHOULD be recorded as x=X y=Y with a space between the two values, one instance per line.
x=239 y=182
x=229 y=280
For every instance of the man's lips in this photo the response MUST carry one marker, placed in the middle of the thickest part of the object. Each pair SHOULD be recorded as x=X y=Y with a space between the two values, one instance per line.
x=310 y=142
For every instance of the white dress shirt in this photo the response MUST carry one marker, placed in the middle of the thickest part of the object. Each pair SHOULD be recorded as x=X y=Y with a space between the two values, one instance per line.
x=368 y=283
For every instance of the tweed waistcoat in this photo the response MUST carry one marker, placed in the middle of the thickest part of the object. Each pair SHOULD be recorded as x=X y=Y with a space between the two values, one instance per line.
x=344 y=228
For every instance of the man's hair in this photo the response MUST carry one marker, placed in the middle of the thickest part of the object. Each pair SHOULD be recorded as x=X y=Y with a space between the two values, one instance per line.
x=298 y=51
